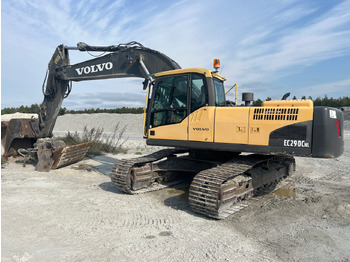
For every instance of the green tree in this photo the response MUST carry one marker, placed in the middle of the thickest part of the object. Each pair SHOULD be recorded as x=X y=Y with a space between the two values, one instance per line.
x=257 y=102
x=62 y=111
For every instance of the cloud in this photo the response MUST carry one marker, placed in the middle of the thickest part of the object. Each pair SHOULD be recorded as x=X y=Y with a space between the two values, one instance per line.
x=276 y=50
x=277 y=47
x=340 y=88
x=259 y=44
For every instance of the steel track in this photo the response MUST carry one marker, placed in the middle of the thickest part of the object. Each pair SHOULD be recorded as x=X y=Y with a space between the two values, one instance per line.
x=216 y=192
x=219 y=191
x=123 y=177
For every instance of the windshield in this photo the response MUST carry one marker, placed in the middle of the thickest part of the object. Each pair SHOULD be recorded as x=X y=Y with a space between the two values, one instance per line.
x=219 y=92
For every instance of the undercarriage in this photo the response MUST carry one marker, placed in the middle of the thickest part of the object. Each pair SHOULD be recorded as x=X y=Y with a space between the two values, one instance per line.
x=218 y=186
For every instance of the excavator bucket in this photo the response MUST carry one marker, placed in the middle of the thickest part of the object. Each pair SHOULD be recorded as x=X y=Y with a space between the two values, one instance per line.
x=71 y=154
x=22 y=133
x=18 y=133
x=55 y=154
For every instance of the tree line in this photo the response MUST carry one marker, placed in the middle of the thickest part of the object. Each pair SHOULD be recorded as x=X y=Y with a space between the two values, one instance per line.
x=34 y=108
x=325 y=101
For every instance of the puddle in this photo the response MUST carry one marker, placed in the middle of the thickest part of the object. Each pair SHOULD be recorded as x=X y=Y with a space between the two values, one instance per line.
x=181 y=192
x=150 y=237
x=176 y=191
x=287 y=191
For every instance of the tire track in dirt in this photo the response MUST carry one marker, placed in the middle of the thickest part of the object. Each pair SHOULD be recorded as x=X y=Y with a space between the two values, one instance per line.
x=85 y=217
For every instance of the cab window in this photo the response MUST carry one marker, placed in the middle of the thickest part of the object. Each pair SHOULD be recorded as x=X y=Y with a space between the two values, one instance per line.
x=170 y=101
x=219 y=92
x=199 y=92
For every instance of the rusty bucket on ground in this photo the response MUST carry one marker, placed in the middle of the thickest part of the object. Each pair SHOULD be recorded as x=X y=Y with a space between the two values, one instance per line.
x=18 y=133
x=21 y=133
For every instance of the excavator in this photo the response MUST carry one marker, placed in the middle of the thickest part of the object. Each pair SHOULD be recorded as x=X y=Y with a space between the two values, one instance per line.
x=231 y=153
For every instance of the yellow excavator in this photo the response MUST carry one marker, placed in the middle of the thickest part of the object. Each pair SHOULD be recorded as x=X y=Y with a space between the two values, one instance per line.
x=231 y=153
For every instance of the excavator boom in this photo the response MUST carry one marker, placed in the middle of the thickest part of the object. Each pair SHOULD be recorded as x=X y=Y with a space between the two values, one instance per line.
x=118 y=61
x=124 y=60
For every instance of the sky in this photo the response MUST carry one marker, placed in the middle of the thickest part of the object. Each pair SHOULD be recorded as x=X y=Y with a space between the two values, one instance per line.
x=266 y=47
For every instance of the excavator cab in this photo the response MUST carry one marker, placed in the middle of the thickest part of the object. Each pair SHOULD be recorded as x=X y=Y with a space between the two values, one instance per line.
x=176 y=95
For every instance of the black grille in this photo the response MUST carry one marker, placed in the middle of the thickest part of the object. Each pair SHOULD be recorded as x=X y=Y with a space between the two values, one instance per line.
x=290 y=132
x=289 y=114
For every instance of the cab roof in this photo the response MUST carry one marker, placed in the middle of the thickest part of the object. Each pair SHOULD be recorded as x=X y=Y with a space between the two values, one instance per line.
x=206 y=72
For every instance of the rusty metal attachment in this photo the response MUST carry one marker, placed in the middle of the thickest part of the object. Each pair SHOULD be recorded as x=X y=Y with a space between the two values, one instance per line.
x=70 y=155
x=18 y=133
x=55 y=154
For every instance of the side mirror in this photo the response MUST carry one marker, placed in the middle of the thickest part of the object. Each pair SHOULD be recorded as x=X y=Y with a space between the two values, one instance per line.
x=145 y=83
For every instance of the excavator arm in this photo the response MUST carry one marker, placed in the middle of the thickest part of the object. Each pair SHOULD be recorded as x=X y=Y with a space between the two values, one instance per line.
x=123 y=60
x=117 y=61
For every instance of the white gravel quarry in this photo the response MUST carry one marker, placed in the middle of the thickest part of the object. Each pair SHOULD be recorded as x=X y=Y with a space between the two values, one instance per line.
x=133 y=124
x=77 y=122
x=75 y=213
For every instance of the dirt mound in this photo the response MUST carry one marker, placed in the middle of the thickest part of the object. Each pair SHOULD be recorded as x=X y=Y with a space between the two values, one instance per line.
x=8 y=117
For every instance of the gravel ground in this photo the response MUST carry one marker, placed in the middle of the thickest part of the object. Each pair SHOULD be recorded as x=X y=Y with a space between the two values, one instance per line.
x=75 y=214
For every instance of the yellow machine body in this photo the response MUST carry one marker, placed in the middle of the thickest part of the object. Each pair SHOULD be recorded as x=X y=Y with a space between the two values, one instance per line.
x=282 y=126
x=237 y=125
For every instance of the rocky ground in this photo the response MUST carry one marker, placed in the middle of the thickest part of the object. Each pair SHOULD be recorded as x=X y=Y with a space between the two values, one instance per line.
x=75 y=214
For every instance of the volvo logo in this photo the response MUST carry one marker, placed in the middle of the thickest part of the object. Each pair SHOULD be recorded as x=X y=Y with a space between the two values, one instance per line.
x=94 y=68
x=201 y=129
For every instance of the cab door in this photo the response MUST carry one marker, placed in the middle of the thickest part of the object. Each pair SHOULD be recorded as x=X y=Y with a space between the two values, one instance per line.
x=201 y=118
x=169 y=110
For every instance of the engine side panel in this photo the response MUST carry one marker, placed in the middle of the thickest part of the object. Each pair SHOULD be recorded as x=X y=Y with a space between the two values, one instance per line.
x=266 y=120
x=231 y=125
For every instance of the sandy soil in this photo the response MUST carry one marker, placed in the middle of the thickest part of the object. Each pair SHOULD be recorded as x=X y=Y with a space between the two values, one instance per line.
x=75 y=214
